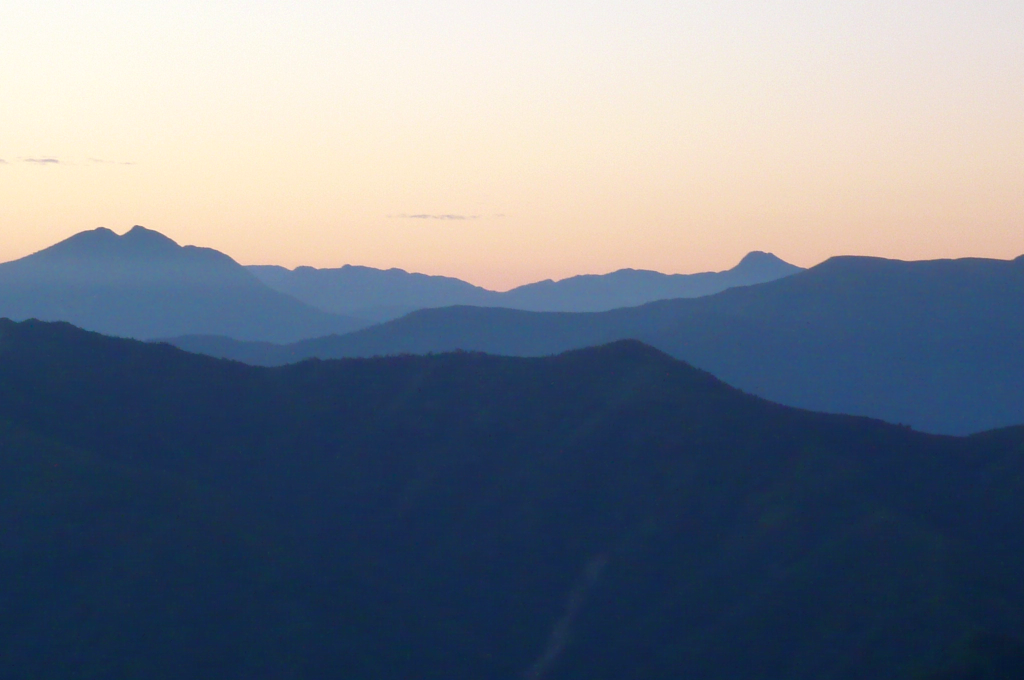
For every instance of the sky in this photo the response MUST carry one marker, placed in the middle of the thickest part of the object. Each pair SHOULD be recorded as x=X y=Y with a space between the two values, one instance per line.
x=505 y=143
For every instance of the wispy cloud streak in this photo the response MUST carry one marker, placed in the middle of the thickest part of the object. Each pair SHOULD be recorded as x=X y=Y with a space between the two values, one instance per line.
x=446 y=216
x=50 y=160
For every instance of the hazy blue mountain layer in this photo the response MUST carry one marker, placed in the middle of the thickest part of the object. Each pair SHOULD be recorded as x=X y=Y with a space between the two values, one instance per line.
x=373 y=294
x=938 y=345
x=144 y=285
x=632 y=287
x=607 y=513
x=381 y=295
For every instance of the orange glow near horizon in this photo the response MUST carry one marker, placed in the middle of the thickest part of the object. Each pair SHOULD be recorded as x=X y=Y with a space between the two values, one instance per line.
x=577 y=138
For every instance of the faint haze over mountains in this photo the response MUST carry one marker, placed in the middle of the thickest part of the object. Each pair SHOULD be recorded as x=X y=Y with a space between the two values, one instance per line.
x=144 y=285
x=687 y=391
x=380 y=295
x=933 y=344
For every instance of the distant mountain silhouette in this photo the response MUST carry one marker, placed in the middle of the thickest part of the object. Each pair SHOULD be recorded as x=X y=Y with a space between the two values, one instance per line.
x=607 y=513
x=632 y=287
x=933 y=344
x=373 y=294
x=381 y=295
x=144 y=285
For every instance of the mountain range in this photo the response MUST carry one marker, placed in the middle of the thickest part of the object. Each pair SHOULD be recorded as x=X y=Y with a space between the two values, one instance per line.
x=381 y=295
x=605 y=513
x=932 y=344
x=144 y=285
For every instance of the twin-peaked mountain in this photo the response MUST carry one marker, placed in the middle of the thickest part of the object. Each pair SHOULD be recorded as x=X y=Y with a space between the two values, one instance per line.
x=607 y=513
x=381 y=295
x=938 y=345
x=144 y=285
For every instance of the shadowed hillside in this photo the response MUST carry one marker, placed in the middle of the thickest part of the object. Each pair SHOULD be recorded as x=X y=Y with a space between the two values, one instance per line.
x=144 y=285
x=934 y=344
x=606 y=513
x=114 y=571
x=983 y=657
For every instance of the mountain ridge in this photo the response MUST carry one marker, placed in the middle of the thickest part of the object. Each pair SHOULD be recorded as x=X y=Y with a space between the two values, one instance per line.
x=121 y=284
x=933 y=343
x=296 y=520
x=143 y=284
x=383 y=295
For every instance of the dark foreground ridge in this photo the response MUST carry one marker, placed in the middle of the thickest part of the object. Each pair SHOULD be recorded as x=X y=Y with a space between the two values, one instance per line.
x=934 y=344
x=606 y=513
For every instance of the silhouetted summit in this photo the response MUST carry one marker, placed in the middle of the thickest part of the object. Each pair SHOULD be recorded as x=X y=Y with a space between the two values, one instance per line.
x=759 y=267
x=140 y=256
x=933 y=344
x=145 y=285
x=606 y=513
x=136 y=242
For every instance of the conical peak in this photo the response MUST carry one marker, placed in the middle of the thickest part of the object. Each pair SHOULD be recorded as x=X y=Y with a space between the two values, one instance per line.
x=139 y=230
x=760 y=263
x=760 y=257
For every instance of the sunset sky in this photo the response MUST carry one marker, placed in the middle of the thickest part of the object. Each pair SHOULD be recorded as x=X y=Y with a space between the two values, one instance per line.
x=509 y=142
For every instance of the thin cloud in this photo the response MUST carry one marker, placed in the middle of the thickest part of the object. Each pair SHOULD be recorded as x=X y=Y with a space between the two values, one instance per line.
x=50 y=160
x=446 y=216
x=443 y=216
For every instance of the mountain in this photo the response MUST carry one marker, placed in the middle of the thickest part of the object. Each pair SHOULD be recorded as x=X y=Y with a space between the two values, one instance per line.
x=632 y=287
x=144 y=285
x=983 y=657
x=381 y=295
x=373 y=294
x=606 y=513
x=117 y=571
x=933 y=344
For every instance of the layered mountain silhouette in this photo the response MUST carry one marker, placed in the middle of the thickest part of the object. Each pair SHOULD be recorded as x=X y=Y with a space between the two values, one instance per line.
x=632 y=287
x=381 y=295
x=144 y=285
x=933 y=344
x=606 y=513
x=373 y=294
